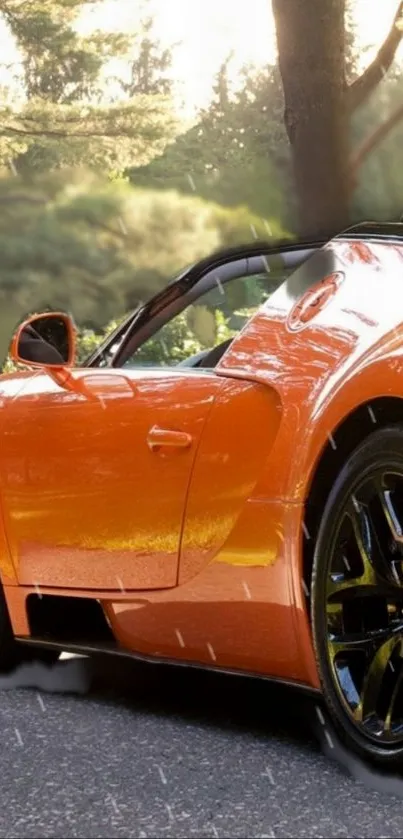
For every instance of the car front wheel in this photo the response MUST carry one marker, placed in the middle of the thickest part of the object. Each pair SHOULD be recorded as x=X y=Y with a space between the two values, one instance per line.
x=357 y=599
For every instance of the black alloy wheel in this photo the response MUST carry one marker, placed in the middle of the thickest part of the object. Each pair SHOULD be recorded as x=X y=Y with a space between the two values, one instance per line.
x=357 y=599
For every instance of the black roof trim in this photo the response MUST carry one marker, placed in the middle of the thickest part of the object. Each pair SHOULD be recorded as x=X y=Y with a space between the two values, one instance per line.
x=244 y=251
x=373 y=230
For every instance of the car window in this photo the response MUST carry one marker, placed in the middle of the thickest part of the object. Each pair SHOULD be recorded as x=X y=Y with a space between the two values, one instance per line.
x=216 y=316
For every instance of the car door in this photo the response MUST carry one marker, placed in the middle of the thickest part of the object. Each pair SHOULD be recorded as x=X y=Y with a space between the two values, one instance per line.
x=94 y=484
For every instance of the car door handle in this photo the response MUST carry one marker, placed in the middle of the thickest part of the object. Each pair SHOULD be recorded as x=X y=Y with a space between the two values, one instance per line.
x=164 y=437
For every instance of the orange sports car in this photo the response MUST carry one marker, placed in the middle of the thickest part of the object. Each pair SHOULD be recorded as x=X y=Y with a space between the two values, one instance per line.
x=221 y=483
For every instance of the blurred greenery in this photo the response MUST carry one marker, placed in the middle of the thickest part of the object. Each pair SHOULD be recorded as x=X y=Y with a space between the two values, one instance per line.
x=236 y=153
x=96 y=247
x=107 y=192
x=179 y=343
x=188 y=333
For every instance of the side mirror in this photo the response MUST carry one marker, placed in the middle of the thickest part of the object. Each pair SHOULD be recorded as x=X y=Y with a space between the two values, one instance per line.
x=46 y=340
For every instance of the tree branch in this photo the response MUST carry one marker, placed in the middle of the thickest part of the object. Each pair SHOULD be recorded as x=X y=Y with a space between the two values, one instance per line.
x=358 y=91
x=376 y=137
x=103 y=226
x=8 y=130
x=16 y=197
x=372 y=141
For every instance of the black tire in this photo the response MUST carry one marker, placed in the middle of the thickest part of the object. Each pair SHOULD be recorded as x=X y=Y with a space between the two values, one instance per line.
x=13 y=654
x=357 y=600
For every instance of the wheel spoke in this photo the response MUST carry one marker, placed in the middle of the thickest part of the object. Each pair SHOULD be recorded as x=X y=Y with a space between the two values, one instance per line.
x=392 y=703
x=341 y=582
x=393 y=533
x=391 y=515
x=373 y=680
x=376 y=571
x=376 y=543
x=367 y=642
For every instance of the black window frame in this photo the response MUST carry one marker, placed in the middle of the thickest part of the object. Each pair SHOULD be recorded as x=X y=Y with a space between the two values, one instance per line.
x=173 y=291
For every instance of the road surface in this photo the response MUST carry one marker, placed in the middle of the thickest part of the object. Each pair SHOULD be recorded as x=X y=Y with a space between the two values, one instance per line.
x=160 y=752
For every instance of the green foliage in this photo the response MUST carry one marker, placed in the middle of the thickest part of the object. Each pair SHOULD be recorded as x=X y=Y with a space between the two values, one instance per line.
x=178 y=343
x=149 y=65
x=103 y=138
x=96 y=247
x=236 y=154
x=59 y=65
x=379 y=193
x=65 y=117
x=87 y=342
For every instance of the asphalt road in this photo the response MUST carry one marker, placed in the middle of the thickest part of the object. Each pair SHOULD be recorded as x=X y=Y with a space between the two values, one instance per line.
x=160 y=752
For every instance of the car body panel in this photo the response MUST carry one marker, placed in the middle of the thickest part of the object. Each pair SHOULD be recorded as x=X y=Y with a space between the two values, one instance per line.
x=327 y=341
x=77 y=477
x=324 y=370
x=216 y=525
x=230 y=615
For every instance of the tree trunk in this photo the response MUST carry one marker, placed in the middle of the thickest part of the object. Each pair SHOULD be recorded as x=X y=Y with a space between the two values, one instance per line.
x=310 y=39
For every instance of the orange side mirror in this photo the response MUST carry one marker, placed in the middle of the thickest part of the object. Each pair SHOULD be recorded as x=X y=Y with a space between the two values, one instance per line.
x=45 y=340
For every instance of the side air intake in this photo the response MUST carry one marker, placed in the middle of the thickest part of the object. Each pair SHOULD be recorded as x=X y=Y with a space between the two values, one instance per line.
x=67 y=620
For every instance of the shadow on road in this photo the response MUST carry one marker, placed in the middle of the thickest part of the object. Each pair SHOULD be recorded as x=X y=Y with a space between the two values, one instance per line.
x=266 y=710
x=210 y=699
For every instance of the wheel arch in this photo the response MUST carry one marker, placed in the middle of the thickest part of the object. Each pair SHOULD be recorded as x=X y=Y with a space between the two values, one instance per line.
x=352 y=430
